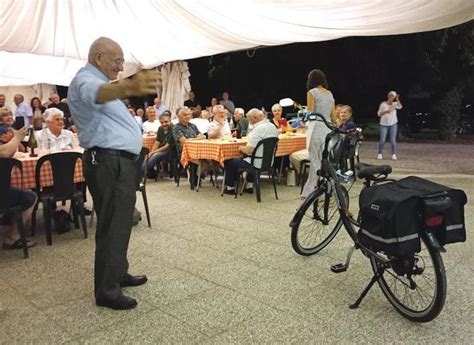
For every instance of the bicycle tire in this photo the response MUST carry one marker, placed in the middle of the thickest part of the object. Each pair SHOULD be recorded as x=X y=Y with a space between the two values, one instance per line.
x=436 y=304
x=297 y=228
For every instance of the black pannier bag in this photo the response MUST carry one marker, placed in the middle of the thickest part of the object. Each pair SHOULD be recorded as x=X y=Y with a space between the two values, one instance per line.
x=393 y=213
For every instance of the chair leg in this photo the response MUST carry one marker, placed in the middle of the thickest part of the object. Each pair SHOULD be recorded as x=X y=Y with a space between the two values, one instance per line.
x=272 y=171
x=92 y=216
x=33 y=218
x=145 y=202
x=302 y=179
x=47 y=220
x=79 y=206
x=236 y=186
x=198 y=173
x=256 y=182
x=223 y=184
x=75 y=214
x=21 y=231
x=244 y=182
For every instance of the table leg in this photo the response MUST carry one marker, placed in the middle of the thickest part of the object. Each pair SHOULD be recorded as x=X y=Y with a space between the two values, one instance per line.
x=281 y=169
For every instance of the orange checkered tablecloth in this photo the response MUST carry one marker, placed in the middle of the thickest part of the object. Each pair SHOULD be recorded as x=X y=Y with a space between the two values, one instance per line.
x=29 y=166
x=148 y=141
x=221 y=150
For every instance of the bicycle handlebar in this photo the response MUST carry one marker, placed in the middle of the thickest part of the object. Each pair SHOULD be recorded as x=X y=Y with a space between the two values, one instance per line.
x=330 y=125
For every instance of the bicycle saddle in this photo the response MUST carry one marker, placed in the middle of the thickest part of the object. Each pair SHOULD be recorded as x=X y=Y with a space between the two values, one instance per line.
x=369 y=171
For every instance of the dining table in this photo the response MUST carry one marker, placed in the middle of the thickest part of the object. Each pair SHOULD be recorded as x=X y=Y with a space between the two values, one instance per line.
x=46 y=179
x=221 y=150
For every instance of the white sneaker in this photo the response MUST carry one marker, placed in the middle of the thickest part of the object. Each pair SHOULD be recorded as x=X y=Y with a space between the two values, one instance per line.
x=394 y=157
x=379 y=156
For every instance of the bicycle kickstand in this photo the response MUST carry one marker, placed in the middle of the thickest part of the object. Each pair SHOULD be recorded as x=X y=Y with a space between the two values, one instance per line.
x=366 y=290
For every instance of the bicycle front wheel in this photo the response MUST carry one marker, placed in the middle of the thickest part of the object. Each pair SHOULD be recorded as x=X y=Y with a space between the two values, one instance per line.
x=415 y=286
x=317 y=222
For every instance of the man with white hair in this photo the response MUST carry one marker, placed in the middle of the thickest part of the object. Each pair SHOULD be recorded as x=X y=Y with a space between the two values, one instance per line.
x=160 y=107
x=151 y=125
x=113 y=142
x=219 y=127
x=23 y=112
x=262 y=129
x=54 y=137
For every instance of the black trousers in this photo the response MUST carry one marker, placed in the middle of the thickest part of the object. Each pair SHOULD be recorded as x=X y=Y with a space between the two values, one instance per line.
x=111 y=181
x=232 y=167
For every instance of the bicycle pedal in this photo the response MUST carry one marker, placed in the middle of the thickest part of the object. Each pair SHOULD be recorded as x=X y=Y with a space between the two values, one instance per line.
x=338 y=268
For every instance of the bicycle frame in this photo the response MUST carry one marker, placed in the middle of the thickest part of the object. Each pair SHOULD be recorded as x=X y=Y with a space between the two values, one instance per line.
x=328 y=173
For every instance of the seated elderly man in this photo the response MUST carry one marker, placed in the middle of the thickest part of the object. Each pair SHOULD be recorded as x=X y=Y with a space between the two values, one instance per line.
x=17 y=197
x=241 y=123
x=162 y=147
x=151 y=125
x=219 y=127
x=184 y=129
x=54 y=136
x=262 y=129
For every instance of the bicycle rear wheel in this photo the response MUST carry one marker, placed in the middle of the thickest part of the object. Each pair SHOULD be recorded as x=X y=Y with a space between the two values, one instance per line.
x=415 y=286
x=316 y=222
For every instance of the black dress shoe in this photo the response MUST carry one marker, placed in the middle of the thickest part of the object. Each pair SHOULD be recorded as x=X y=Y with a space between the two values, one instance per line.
x=133 y=280
x=229 y=191
x=122 y=302
x=87 y=212
x=248 y=190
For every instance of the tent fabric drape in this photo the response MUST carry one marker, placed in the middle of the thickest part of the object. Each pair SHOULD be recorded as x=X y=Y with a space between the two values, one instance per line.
x=175 y=78
x=47 y=41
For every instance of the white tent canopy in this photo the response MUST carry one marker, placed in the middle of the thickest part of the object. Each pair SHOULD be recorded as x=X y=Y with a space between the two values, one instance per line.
x=46 y=41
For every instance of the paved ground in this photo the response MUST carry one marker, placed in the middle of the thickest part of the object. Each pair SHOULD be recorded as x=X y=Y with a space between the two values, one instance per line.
x=223 y=271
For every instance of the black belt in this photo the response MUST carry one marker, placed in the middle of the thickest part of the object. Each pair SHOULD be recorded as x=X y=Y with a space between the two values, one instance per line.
x=113 y=152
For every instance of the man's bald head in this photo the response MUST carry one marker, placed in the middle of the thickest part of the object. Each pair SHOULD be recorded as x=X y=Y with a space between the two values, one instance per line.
x=255 y=115
x=107 y=56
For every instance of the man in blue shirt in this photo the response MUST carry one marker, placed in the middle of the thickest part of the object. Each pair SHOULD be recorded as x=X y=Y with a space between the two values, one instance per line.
x=113 y=141
x=23 y=112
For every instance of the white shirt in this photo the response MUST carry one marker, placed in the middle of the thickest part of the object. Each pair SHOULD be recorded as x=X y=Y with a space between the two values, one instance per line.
x=391 y=118
x=150 y=126
x=139 y=120
x=261 y=130
x=201 y=124
x=160 y=110
x=48 y=141
x=218 y=130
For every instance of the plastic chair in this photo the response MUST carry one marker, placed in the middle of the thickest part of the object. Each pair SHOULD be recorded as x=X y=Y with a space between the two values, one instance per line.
x=63 y=165
x=304 y=165
x=269 y=150
x=141 y=182
x=6 y=167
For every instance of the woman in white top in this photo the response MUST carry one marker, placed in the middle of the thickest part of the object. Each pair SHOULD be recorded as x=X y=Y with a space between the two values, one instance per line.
x=389 y=122
x=319 y=100
x=54 y=137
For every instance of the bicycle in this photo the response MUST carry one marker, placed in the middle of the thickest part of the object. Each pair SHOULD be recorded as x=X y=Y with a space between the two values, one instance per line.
x=413 y=285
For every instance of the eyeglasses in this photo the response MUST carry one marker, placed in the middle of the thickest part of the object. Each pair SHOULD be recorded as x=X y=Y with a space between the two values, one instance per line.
x=117 y=61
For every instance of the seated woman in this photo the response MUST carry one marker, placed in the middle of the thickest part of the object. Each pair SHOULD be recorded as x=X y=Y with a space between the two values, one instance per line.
x=54 y=136
x=38 y=110
x=345 y=118
x=24 y=198
x=279 y=122
x=6 y=128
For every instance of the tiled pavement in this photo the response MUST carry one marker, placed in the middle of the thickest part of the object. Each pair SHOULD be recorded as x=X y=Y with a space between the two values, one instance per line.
x=222 y=270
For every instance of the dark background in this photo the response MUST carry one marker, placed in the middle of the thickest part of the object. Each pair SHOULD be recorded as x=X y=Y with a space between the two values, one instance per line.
x=421 y=67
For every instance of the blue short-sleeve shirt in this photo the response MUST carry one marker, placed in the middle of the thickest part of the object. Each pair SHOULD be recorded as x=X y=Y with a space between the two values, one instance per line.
x=107 y=125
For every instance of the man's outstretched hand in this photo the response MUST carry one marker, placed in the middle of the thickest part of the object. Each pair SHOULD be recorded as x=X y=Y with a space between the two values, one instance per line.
x=141 y=84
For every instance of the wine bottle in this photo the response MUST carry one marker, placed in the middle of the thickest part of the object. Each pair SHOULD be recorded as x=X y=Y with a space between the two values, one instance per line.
x=32 y=143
